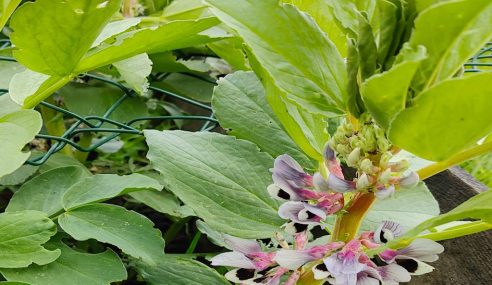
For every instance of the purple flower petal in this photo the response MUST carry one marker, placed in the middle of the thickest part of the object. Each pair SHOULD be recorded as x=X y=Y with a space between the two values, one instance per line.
x=287 y=168
x=385 y=192
x=422 y=249
x=301 y=212
x=339 y=185
x=410 y=180
x=292 y=259
x=393 y=274
x=233 y=259
x=244 y=246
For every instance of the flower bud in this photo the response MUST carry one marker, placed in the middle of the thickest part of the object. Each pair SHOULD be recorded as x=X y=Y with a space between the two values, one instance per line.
x=366 y=166
x=353 y=158
x=363 y=181
x=385 y=158
x=410 y=180
x=400 y=166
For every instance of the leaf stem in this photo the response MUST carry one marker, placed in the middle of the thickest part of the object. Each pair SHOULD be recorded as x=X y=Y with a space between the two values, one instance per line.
x=454 y=160
x=32 y=101
x=459 y=231
x=194 y=243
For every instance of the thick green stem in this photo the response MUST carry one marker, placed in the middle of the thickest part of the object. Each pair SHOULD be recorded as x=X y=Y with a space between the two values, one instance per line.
x=459 y=231
x=454 y=160
x=347 y=225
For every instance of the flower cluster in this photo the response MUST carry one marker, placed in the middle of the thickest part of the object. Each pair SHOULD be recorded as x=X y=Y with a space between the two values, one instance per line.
x=337 y=263
x=366 y=148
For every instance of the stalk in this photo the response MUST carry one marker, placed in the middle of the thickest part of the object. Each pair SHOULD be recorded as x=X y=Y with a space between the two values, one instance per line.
x=454 y=160
x=347 y=225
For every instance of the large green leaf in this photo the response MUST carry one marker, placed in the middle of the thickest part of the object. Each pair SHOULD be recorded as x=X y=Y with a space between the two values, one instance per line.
x=44 y=192
x=408 y=207
x=240 y=105
x=446 y=118
x=7 y=7
x=72 y=267
x=174 y=270
x=309 y=69
x=385 y=94
x=222 y=179
x=306 y=129
x=133 y=233
x=322 y=14
x=102 y=187
x=185 y=10
x=462 y=28
x=63 y=32
x=21 y=237
x=16 y=130
x=173 y=35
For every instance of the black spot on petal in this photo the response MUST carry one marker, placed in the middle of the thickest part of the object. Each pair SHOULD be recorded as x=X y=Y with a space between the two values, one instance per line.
x=321 y=267
x=378 y=261
x=300 y=227
x=245 y=274
x=409 y=264
x=260 y=279
x=310 y=215
x=381 y=237
x=282 y=194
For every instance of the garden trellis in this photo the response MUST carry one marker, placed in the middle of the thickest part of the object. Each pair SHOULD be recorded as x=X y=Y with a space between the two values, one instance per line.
x=94 y=124
x=98 y=124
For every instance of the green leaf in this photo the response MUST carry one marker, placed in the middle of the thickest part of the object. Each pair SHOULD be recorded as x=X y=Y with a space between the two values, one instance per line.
x=321 y=12
x=185 y=10
x=59 y=160
x=72 y=267
x=8 y=106
x=446 y=118
x=231 y=50
x=28 y=88
x=174 y=270
x=222 y=179
x=462 y=28
x=187 y=86
x=309 y=69
x=44 y=192
x=133 y=233
x=13 y=283
x=388 y=25
x=19 y=176
x=58 y=48
x=89 y=100
x=214 y=236
x=173 y=35
x=385 y=94
x=102 y=187
x=308 y=130
x=115 y=28
x=408 y=207
x=366 y=46
x=7 y=7
x=16 y=130
x=240 y=105
x=7 y=70
x=163 y=202
x=478 y=207
x=21 y=239
x=134 y=71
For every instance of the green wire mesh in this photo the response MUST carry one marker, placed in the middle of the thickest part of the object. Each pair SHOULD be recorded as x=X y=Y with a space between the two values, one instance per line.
x=98 y=124
x=94 y=124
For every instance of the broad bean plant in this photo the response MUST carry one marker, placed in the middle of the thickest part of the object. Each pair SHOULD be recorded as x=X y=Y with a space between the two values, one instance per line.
x=334 y=115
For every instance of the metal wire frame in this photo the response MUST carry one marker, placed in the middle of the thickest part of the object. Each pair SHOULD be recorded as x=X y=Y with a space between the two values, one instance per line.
x=482 y=61
x=94 y=124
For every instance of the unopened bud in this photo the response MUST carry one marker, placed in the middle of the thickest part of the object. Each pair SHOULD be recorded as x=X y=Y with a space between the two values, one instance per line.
x=385 y=176
x=410 y=180
x=363 y=181
x=400 y=166
x=366 y=166
x=353 y=157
